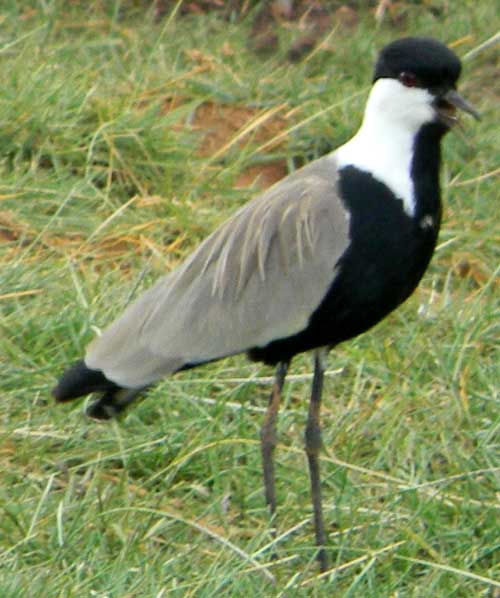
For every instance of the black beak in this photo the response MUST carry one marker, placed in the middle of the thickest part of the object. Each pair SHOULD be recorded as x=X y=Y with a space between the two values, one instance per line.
x=455 y=99
x=448 y=103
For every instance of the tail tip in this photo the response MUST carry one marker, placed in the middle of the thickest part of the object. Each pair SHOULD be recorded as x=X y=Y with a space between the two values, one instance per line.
x=79 y=380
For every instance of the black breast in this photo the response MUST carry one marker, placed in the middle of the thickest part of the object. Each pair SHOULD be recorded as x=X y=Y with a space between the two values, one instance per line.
x=389 y=252
x=388 y=255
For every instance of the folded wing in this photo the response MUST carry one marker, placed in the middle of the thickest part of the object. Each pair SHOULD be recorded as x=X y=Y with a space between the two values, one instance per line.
x=257 y=278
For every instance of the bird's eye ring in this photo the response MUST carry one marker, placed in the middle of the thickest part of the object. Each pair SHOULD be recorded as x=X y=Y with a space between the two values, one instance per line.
x=408 y=79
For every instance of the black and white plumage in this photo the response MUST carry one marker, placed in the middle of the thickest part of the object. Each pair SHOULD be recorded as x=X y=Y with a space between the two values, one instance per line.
x=318 y=258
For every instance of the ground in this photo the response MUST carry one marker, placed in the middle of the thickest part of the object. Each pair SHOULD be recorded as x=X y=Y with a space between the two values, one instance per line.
x=126 y=136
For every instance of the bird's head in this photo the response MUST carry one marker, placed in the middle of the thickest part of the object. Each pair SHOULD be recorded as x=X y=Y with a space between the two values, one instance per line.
x=415 y=82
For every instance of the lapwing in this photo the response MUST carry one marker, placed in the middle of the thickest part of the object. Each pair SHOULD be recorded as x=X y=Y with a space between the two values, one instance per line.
x=316 y=259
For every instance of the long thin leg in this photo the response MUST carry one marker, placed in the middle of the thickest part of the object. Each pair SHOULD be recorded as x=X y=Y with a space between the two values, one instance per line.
x=268 y=436
x=313 y=446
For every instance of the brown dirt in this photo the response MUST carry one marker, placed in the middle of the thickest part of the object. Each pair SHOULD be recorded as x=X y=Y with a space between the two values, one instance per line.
x=221 y=124
x=10 y=229
x=263 y=175
x=223 y=127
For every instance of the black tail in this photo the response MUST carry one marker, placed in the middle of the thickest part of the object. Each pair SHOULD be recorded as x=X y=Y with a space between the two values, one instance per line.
x=79 y=380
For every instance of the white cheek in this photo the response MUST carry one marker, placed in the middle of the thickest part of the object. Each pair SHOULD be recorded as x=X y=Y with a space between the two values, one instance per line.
x=417 y=107
x=406 y=107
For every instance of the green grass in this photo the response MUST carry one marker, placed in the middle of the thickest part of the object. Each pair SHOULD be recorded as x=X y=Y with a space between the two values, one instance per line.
x=101 y=190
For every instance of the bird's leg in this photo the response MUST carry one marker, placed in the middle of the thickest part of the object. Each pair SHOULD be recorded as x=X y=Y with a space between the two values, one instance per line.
x=313 y=446
x=268 y=436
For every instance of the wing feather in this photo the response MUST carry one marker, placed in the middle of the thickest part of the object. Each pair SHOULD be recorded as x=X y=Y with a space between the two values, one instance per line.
x=257 y=278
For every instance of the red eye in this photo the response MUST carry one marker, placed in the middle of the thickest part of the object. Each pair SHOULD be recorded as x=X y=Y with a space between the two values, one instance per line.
x=408 y=79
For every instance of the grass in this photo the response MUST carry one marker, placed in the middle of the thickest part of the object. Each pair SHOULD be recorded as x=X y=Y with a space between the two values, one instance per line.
x=106 y=183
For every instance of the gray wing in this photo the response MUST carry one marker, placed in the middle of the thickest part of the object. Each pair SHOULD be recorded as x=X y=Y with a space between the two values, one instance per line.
x=257 y=278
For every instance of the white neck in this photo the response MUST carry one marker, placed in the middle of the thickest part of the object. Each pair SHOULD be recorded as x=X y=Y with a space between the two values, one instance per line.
x=384 y=144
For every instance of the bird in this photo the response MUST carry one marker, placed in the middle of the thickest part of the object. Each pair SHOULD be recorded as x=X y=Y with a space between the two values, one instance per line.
x=318 y=258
